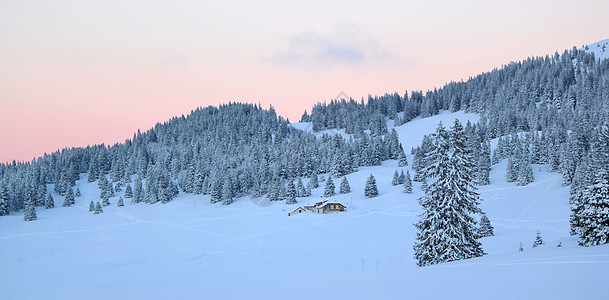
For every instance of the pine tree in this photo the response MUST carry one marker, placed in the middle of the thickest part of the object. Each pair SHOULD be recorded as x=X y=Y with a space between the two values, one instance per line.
x=307 y=190
x=300 y=189
x=447 y=230
x=402 y=177
x=91 y=206
x=370 y=189
x=128 y=191
x=345 y=188
x=227 y=191
x=407 y=183
x=290 y=195
x=538 y=240
x=77 y=193
x=29 y=212
x=330 y=189
x=216 y=191
x=520 y=248
x=98 y=209
x=314 y=180
x=4 y=207
x=50 y=202
x=138 y=191
x=486 y=229
x=511 y=171
x=120 y=203
x=396 y=178
x=105 y=202
x=402 y=161
x=69 y=199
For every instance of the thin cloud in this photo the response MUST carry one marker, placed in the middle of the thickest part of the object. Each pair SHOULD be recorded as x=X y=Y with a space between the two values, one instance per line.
x=345 y=44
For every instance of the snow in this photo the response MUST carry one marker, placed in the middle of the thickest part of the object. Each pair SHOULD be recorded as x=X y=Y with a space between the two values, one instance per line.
x=600 y=49
x=190 y=248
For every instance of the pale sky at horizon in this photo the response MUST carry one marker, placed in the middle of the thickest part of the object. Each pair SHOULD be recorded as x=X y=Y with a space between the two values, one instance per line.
x=77 y=73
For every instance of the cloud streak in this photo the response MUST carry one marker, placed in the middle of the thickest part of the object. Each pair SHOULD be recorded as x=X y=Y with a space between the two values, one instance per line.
x=345 y=44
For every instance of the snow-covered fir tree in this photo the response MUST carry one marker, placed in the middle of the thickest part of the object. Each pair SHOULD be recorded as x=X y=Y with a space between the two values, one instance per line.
x=345 y=188
x=91 y=206
x=330 y=189
x=128 y=191
x=396 y=178
x=98 y=209
x=407 y=183
x=402 y=161
x=77 y=192
x=511 y=171
x=402 y=177
x=227 y=191
x=29 y=212
x=485 y=229
x=4 y=204
x=290 y=195
x=105 y=202
x=447 y=230
x=69 y=199
x=300 y=188
x=50 y=202
x=371 y=190
x=314 y=182
x=138 y=191
x=538 y=240
x=120 y=202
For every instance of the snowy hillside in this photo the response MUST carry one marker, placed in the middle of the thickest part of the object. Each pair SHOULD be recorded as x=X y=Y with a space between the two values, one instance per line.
x=600 y=49
x=189 y=248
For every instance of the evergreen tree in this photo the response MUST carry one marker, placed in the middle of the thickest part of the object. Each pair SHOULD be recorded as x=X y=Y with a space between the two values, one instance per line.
x=98 y=209
x=77 y=193
x=128 y=191
x=290 y=195
x=396 y=178
x=345 y=188
x=307 y=190
x=69 y=199
x=91 y=206
x=538 y=240
x=227 y=191
x=50 y=202
x=402 y=161
x=105 y=201
x=120 y=203
x=300 y=189
x=4 y=204
x=407 y=184
x=486 y=229
x=216 y=191
x=402 y=177
x=314 y=182
x=511 y=171
x=370 y=189
x=138 y=191
x=447 y=230
x=29 y=212
x=330 y=189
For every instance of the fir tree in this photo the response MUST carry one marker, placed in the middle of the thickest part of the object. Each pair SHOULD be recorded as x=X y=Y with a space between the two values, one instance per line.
x=29 y=212
x=314 y=180
x=486 y=229
x=91 y=206
x=402 y=161
x=77 y=193
x=120 y=202
x=396 y=178
x=447 y=230
x=98 y=209
x=216 y=191
x=50 y=202
x=330 y=189
x=370 y=189
x=402 y=177
x=227 y=191
x=69 y=199
x=538 y=240
x=138 y=191
x=511 y=171
x=407 y=183
x=4 y=207
x=105 y=202
x=128 y=191
x=307 y=190
x=345 y=188
x=300 y=189
x=290 y=195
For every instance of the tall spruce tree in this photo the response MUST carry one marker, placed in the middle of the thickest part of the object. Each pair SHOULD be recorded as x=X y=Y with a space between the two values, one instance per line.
x=370 y=190
x=396 y=178
x=29 y=212
x=447 y=230
x=407 y=183
x=330 y=189
x=50 y=202
x=345 y=188
x=290 y=195
x=4 y=204
x=485 y=229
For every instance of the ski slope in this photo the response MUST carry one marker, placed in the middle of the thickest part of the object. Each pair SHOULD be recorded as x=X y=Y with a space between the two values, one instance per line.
x=252 y=249
x=600 y=49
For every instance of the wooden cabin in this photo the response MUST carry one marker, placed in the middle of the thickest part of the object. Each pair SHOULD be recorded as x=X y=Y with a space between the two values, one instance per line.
x=297 y=211
x=326 y=207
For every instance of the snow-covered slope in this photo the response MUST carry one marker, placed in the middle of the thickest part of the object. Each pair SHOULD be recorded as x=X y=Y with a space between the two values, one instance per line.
x=190 y=248
x=600 y=49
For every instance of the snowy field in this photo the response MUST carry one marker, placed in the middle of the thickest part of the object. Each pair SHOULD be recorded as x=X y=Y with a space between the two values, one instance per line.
x=252 y=249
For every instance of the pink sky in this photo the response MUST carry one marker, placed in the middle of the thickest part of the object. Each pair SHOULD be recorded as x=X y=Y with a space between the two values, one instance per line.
x=86 y=72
